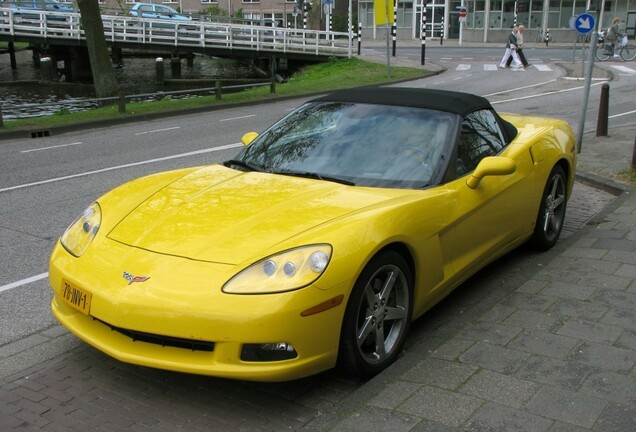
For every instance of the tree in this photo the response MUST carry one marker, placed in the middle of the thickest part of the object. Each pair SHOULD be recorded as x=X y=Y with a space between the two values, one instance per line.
x=103 y=74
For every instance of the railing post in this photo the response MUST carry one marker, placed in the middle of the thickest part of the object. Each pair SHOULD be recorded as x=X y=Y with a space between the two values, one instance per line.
x=272 y=86
x=601 y=123
x=2 y=121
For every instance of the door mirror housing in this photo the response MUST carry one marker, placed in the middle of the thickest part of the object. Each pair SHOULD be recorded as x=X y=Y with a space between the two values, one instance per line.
x=491 y=166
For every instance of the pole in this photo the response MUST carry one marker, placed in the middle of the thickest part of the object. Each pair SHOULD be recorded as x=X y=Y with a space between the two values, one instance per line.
x=586 y=87
x=423 y=33
x=394 y=27
x=350 y=27
x=461 y=24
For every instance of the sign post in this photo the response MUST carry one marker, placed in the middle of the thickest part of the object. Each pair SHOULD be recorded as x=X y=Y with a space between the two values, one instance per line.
x=463 y=14
x=584 y=24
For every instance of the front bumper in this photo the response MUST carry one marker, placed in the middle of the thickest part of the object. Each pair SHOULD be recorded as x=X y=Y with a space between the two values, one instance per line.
x=182 y=300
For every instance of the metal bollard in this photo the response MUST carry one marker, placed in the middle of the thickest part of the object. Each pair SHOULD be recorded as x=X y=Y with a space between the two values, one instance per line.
x=603 y=109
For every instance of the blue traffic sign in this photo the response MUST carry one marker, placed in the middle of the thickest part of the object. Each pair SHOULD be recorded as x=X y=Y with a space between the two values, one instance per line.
x=584 y=23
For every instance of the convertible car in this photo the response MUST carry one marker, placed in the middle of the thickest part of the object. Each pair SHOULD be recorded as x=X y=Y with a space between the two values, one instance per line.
x=319 y=243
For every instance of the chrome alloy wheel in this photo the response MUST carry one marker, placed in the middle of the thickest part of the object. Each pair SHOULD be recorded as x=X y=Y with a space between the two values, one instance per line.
x=383 y=314
x=554 y=208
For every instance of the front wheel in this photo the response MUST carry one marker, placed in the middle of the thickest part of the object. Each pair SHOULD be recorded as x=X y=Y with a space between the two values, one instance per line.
x=601 y=53
x=551 y=215
x=377 y=317
x=628 y=52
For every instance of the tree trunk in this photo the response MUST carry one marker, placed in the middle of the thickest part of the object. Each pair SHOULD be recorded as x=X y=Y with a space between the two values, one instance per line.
x=103 y=74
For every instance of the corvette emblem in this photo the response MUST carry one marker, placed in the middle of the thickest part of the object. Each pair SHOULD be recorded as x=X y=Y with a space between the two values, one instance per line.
x=131 y=278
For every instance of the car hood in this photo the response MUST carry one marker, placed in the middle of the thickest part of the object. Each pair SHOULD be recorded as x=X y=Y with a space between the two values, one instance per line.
x=221 y=215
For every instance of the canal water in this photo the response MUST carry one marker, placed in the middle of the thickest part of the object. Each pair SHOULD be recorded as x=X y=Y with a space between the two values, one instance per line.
x=22 y=98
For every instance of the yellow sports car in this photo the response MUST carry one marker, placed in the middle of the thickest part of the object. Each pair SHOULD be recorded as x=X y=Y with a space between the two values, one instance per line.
x=319 y=243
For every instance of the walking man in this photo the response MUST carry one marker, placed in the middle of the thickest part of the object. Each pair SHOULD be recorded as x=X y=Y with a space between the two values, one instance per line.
x=511 y=50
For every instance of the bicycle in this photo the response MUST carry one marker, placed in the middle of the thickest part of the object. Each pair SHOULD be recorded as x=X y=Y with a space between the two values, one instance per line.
x=604 y=51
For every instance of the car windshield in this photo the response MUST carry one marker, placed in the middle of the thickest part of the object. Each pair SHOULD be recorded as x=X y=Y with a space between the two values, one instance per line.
x=361 y=144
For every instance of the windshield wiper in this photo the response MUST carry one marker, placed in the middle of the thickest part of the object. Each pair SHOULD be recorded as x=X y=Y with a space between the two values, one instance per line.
x=313 y=175
x=242 y=164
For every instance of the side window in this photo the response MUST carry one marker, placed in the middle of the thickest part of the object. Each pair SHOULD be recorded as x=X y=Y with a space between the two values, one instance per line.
x=480 y=136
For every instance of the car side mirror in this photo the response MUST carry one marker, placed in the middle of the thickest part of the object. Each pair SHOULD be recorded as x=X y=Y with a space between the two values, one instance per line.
x=249 y=137
x=491 y=166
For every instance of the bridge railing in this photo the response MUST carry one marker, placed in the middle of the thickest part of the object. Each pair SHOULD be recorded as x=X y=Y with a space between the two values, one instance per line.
x=201 y=34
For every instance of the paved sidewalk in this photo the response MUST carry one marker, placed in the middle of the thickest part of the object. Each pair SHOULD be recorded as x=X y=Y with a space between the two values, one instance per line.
x=547 y=347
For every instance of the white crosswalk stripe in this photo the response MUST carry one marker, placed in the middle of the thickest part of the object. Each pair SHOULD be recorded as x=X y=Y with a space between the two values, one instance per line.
x=625 y=69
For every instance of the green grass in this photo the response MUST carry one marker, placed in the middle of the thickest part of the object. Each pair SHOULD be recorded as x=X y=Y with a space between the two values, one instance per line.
x=629 y=176
x=336 y=74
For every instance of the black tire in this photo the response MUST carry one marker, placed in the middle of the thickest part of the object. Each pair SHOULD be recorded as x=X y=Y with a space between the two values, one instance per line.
x=601 y=53
x=628 y=52
x=378 y=316
x=551 y=211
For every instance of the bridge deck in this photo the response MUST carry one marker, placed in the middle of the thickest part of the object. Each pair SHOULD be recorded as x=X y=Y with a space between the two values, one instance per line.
x=219 y=39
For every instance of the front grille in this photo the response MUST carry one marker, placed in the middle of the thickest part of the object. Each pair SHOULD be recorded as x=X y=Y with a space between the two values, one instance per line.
x=191 y=344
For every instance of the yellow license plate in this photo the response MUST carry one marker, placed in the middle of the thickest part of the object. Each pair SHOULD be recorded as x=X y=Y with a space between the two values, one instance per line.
x=78 y=298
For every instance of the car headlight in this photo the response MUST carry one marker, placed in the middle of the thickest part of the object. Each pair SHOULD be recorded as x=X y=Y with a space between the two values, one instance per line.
x=81 y=233
x=285 y=271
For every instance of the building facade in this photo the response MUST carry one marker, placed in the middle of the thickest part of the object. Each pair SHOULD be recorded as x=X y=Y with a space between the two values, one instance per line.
x=486 y=20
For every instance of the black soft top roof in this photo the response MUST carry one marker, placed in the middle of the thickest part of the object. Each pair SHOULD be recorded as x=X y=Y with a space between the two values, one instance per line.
x=440 y=100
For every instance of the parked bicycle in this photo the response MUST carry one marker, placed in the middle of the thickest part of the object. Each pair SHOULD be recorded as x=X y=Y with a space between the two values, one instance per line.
x=604 y=51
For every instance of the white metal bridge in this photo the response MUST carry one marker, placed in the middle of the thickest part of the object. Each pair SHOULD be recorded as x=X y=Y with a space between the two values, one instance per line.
x=221 y=39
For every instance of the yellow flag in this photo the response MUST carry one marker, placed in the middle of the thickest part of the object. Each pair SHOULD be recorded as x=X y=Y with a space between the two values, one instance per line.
x=383 y=11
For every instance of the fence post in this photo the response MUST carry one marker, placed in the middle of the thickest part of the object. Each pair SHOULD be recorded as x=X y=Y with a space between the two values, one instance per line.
x=121 y=105
x=272 y=86
x=1 y=120
x=601 y=123
x=217 y=93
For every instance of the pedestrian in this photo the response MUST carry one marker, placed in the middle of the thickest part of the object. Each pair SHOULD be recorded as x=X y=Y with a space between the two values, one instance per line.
x=613 y=34
x=511 y=50
x=522 y=57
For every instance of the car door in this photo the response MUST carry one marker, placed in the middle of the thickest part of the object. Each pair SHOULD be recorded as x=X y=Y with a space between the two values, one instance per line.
x=487 y=219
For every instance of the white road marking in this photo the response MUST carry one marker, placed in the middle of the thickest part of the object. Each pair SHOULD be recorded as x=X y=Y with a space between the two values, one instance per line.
x=533 y=96
x=463 y=67
x=157 y=130
x=237 y=118
x=625 y=69
x=26 y=281
x=149 y=161
x=622 y=114
x=490 y=67
x=542 y=67
x=521 y=88
x=51 y=147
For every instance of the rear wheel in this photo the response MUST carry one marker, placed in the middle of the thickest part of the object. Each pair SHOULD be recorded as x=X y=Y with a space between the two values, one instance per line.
x=377 y=317
x=601 y=52
x=628 y=52
x=551 y=212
